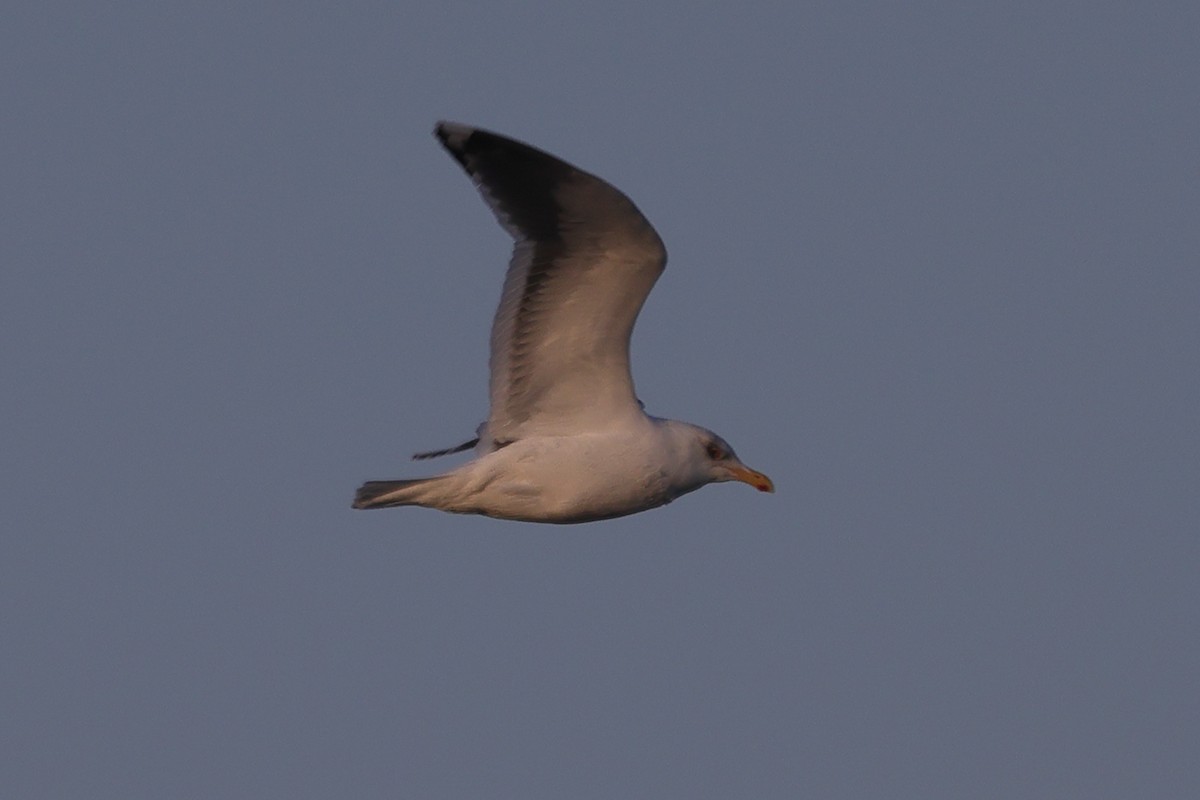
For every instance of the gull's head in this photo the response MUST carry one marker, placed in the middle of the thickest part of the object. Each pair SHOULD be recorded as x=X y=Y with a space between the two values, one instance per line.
x=713 y=461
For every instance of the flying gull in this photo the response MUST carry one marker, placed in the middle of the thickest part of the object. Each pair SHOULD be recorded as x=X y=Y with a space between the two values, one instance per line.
x=566 y=439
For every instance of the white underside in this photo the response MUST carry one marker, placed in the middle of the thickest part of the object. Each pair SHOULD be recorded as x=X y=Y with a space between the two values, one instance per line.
x=588 y=476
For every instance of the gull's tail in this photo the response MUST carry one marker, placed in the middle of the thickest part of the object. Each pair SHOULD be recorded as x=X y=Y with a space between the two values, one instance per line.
x=389 y=494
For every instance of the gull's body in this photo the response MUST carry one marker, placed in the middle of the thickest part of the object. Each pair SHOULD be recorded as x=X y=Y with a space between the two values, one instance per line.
x=566 y=439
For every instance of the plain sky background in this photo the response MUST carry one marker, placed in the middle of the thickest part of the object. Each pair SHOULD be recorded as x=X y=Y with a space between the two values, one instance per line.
x=935 y=268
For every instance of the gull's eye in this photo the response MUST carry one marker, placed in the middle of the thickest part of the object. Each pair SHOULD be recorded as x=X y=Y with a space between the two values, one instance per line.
x=715 y=451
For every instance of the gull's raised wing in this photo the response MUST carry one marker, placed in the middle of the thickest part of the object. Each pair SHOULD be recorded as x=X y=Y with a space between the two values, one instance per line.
x=584 y=262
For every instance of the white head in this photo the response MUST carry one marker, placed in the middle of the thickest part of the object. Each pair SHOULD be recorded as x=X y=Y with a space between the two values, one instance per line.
x=710 y=459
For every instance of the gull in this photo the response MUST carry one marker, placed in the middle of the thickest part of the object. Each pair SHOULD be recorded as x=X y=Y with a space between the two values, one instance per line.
x=566 y=439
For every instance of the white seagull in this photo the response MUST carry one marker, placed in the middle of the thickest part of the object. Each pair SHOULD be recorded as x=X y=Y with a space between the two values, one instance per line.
x=566 y=439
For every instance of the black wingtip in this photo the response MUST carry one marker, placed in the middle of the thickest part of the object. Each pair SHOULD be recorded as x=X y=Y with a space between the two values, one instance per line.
x=454 y=137
x=448 y=451
x=446 y=127
x=462 y=140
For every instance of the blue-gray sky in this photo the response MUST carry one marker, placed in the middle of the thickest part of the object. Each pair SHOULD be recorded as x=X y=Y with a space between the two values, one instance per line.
x=934 y=268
